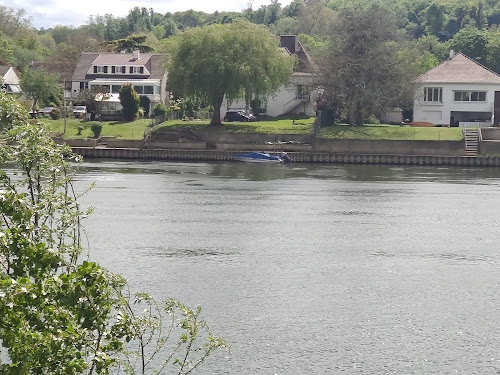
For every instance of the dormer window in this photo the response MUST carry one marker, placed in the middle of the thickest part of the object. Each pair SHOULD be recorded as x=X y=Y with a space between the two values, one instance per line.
x=100 y=69
x=136 y=70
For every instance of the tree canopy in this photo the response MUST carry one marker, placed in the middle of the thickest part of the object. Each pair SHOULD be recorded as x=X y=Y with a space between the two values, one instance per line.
x=362 y=71
x=40 y=87
x=236 y=60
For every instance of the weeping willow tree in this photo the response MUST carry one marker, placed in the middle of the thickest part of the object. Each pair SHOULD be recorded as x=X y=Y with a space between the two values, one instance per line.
x=237 y=60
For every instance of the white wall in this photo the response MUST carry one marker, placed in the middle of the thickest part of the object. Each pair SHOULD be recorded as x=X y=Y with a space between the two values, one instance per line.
x=283 y=100
x=440 y=113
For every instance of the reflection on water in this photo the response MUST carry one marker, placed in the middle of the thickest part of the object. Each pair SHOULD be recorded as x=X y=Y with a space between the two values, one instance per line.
x=313 y=269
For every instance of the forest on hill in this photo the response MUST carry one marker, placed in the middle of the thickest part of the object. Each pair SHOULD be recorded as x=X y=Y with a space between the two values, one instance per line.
x=429 y=26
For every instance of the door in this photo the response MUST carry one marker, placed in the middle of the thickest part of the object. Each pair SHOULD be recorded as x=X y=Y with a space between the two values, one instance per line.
x=496 y=112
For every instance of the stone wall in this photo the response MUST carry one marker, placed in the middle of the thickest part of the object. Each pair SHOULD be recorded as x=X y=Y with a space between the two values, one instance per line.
x=359 y=146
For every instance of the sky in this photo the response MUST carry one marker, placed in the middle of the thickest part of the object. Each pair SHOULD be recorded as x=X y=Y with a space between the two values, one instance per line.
x=49 y=13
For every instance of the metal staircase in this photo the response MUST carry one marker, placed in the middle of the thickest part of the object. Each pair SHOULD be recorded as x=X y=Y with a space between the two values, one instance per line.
x=471 y=136
x=294 y=103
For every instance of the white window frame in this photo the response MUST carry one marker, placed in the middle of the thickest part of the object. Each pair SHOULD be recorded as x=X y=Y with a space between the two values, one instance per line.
x=435 y=94
x=466 y=96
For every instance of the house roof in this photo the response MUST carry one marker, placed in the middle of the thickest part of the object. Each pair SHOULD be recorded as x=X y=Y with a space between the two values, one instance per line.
x=3 y=70
x=459 y=69
x=292 y=45
x=153 y=62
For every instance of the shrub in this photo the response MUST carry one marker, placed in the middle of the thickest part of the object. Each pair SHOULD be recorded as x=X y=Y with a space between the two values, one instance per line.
x=130 y=102
x=159 y=109
x=145 y=103
x=80 y=128
x=55 y=114
x=96 y=129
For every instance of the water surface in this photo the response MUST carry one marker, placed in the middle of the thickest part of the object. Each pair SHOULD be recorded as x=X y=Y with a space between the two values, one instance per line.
x=313 y=269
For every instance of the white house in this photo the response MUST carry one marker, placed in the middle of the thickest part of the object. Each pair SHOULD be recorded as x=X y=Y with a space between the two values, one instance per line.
x=296 y=97
x=457 y=92
x=9 y=80
x=110 y=71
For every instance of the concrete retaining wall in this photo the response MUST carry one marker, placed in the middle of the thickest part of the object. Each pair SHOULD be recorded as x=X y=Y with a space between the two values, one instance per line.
x=359 y=146
x=303 y=157
x=490 y=134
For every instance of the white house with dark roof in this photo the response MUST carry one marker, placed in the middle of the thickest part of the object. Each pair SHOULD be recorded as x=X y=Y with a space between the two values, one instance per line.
x=146 y=72
x=457 y=92
x=296 y=97
x=9 y=80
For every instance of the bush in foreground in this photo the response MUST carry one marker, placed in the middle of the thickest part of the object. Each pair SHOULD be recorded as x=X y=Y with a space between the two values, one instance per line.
x=61 y=313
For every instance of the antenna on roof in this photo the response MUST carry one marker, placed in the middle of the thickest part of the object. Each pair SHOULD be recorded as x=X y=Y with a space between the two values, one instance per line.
x=452 y=53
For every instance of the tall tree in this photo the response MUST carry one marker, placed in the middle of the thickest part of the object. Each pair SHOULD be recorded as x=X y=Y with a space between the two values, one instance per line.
x=40 y=86
x=233 y=61
x=131 y=44
x=472 y=42
x=362 y=68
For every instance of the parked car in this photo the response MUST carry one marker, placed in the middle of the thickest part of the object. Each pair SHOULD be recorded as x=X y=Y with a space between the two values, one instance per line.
x=80 y=111
x=239 y=116
x=45 y=110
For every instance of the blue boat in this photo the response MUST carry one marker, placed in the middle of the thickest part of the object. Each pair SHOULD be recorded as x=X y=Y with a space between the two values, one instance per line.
x=257 y=157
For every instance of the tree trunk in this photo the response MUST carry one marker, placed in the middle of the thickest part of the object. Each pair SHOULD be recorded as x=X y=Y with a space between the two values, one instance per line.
x=33 y=109
x=216 y=116
x=352 y=112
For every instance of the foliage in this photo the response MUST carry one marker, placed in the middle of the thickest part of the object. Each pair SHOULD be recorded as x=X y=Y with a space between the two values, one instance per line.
x=129 y=101
x=131 y=44
x=472 y=42
x=145 y=103
x=232 y=61
x=62 y=314
x=96 y=129
x=363 y=71
x=159 y=109
x=40 y=87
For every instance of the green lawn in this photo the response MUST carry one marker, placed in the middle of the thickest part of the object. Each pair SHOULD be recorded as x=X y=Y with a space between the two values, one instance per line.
x=137 y=129
x=391 y=132
x=272 y=126
x=120 y=130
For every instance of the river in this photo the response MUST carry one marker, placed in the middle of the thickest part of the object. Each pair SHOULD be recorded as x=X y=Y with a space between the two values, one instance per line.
x=313 y=269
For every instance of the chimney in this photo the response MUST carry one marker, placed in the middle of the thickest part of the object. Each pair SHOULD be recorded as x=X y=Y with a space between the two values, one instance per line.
x=290 y=42
x=452 y=54
x=136 y=54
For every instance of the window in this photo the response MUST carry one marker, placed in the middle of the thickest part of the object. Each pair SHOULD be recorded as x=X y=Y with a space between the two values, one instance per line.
x=113 y=69
x=148 y=90
x=138 y=89
x=433 y=94
x=136 y=70
x=100 y=69
x=115 y=89
x=302 y=92
x=470 y=96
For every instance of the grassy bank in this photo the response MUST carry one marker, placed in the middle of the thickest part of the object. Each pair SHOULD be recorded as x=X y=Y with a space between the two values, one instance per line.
x=272 y=126
x=137 y=129
x=120 y=130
